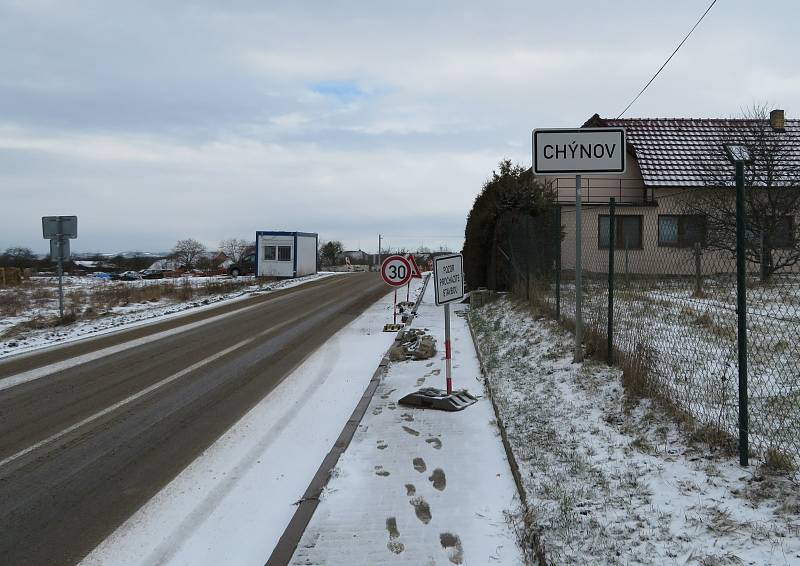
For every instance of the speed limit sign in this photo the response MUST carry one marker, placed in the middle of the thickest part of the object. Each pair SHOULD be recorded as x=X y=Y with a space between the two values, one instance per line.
x=396 y=270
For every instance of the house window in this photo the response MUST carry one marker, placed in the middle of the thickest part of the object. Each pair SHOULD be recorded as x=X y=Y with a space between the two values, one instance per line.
x=284 y=253
x=681 y=230
x=627 y=231
x=269 y=253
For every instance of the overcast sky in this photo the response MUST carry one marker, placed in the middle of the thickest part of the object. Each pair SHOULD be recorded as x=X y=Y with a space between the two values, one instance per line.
x=154 y=121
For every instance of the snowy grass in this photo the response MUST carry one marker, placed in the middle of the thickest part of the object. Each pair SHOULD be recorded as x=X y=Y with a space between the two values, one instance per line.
x=690 y=343
x=612 y=479
x=29 y=312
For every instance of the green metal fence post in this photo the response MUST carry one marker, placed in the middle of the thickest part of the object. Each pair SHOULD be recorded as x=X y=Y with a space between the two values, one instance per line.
x=557 y=214
x=741 y=312
x=610 y=318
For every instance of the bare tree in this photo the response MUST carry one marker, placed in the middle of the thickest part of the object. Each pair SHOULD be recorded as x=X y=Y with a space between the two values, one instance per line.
x=772 y=193
x=329 y=251
x=186 y=252
x=18 y=256
x=235 y=248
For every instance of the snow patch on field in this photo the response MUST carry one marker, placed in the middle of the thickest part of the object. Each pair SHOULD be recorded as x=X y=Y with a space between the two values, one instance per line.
x=42 y=295
x=613 y=481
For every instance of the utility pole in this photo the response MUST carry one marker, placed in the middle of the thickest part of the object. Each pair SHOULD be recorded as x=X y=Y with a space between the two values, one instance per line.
x=379 y=251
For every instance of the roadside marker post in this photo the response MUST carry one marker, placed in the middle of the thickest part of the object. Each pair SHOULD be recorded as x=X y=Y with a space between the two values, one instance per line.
x=597 y=151
x=60 y=230
x=396 y=272
x=415 y=274
x=448 y=282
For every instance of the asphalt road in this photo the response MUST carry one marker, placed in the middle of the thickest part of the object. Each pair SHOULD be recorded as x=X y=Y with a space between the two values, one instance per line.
x=81 y=449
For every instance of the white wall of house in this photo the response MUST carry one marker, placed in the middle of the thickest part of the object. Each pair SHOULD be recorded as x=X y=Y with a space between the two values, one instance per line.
x=627 y=187
x=652 y=257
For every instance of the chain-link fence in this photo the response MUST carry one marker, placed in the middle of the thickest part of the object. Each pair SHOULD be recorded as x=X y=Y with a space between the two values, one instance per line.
x=672 y=321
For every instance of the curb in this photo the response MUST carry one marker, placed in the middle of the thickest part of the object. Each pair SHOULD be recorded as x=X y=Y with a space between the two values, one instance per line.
x=538 y=548
x=287 y=545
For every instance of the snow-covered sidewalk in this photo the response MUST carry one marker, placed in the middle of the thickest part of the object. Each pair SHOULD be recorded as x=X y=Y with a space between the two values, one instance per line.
x=419 y=486
x=612 y=479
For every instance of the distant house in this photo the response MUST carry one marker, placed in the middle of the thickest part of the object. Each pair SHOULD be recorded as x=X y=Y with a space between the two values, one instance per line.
x=164 y=265
x=355 y=257
x=666 y=160
x=82 y=266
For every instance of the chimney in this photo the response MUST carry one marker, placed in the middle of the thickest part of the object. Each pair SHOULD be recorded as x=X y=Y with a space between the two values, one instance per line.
x=776 y=120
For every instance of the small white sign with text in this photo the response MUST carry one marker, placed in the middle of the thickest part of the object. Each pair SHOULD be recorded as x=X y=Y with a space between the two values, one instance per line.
x=448 y=278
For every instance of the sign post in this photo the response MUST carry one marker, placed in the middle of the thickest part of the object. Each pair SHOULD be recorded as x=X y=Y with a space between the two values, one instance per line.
x=597 y=151
x=59 y=230
x=448 y=282
x=415 y=274
x=395 y=271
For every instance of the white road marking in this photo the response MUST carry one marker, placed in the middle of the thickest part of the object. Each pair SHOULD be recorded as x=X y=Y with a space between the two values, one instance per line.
x=144 y=392
x=43 y=371
x=37 y=373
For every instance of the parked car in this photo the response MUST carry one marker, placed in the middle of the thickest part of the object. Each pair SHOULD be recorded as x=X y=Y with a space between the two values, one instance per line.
x=129 y=276
x=247 y=266
x=152 y=274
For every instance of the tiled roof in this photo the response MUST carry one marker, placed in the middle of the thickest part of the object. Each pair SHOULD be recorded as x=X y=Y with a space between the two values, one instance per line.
x=685 y=152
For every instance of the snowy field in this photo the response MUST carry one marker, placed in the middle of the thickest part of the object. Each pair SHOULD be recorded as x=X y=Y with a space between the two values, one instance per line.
x=29 y=313
x=689 y=344
x=611 y=480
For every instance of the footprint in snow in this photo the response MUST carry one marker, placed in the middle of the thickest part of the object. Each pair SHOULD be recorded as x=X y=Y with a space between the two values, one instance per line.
x=394 y=545
x=421 y=509
x=419 y=465
x=438 y=479
x=435 y=442
x=452 y=543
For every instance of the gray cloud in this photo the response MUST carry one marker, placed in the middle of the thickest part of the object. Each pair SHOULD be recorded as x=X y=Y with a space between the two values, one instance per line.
x=159 y=120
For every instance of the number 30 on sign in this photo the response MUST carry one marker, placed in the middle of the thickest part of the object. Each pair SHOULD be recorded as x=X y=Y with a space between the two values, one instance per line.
x=396 y=270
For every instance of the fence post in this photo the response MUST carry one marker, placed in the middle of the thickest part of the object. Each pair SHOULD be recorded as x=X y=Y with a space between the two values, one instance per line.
x=527 y=252
x=610 y=318
x=741 y=315
x=698 y=270
x=578 y=356
x=557 y=215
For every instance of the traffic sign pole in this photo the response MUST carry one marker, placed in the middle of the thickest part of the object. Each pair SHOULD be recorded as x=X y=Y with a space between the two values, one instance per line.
x=448 y=349
x=395 y=271
x=61 y=277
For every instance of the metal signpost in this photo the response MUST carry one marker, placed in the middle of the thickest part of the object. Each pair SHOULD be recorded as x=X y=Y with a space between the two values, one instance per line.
x=415 y=274
x=448 y=283
x=59 y=230
x=596 y=151
x=395 y=271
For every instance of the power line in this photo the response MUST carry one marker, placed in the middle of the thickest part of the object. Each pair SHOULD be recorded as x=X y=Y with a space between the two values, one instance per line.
x=668 y=59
